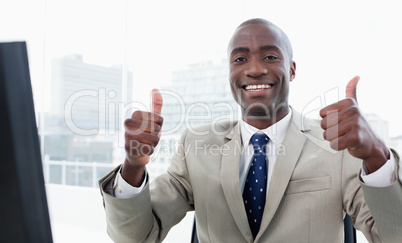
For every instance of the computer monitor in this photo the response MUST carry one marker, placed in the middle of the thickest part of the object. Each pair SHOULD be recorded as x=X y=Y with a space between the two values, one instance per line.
x=24 y=215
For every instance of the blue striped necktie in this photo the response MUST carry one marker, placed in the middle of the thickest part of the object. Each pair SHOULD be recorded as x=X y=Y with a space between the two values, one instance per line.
x=255 y=189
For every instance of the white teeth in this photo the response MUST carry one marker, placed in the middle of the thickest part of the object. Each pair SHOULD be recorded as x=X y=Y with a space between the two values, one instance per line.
x=258 y=87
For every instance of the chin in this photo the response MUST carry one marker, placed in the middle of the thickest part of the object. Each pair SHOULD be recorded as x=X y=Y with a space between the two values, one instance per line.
x=258 y=110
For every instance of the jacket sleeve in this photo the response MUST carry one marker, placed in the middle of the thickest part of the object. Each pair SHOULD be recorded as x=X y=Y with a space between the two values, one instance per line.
x=148 y=216
x=375 y=211
x=385 y=204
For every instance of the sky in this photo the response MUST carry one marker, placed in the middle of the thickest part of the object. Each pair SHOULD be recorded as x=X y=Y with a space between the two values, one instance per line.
x=332 y=42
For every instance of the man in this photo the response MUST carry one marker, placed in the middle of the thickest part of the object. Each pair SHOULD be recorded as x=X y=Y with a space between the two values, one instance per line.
x=308 y=183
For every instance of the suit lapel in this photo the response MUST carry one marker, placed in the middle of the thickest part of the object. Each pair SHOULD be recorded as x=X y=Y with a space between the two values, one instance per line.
x=230 y=181
x=283 y=169
x=285 y=163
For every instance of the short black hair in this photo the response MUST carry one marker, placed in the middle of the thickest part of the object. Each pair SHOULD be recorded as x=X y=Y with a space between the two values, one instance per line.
x=285 y=38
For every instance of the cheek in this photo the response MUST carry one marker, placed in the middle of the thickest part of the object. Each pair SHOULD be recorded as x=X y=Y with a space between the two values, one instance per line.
x=284 y=91
x=235 y=91
x=234 y=72
x=233 y=82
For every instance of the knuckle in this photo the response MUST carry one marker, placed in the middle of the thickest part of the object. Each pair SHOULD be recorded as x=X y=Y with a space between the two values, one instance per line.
x=354 y=109
x=146 y=149
x=127 y=122
x=137 y=114
x=133 y=132
x=132 y=124
x=158 y=119
x=153 y=140
x=156 y=140
x=156 y=128
x=324 y=123
x=350 y=101
x=334 y=145
x=127 y=136
x=151 y=150
x=351 y=113
x=322 y=112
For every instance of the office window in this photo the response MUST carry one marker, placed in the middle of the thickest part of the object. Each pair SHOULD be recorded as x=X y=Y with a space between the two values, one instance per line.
x=94 y=62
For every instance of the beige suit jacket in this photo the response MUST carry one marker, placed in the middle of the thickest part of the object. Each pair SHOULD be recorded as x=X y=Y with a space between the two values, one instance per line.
x=311 y=188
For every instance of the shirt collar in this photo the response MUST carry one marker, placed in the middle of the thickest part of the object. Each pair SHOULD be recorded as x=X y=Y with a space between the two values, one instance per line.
x=276 y=132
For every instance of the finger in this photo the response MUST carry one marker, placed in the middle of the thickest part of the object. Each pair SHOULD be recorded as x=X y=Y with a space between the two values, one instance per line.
x=339 y=143
x=330 y=120
x=134 y=126
x=349 y=110
x=135 y=148
x=351 y=88
x=335 y=144
x=144 y=138
x=337 y=107
x=337 y=131
x=343 y=142
x=157 y=101
x=147 y=116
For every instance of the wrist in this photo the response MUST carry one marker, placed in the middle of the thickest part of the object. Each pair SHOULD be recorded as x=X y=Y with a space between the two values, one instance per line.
x=133 y=174
x=378 y=158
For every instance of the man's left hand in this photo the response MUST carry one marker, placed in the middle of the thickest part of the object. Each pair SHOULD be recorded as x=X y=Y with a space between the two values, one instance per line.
x=346 y=128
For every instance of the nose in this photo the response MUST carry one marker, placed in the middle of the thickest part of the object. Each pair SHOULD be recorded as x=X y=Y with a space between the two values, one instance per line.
x=255 y=68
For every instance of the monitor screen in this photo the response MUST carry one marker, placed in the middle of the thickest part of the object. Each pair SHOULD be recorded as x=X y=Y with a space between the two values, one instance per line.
x=24 y=215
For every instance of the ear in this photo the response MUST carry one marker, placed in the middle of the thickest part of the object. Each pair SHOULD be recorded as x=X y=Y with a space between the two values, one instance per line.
x=292 y=71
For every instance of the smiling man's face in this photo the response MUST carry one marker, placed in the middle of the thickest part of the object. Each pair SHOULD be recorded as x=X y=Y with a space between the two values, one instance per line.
x=260 y=71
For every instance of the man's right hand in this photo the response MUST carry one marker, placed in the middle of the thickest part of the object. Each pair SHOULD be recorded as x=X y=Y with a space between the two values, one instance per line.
x=142 y=134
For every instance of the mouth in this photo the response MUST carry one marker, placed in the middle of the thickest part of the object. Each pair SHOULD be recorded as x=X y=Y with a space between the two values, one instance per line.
x=257 y=87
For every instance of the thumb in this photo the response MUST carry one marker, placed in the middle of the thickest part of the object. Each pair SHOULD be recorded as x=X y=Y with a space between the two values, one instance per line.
x=351 y=88
x=157 y=101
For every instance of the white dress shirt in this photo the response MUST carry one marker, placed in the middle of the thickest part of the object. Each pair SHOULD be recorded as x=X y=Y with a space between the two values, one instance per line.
x=276 y=134
x=384 y=176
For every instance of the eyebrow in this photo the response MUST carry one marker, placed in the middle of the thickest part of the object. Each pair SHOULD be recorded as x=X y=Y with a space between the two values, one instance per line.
x=270 y=47
x=262 y=48
x=239 y=49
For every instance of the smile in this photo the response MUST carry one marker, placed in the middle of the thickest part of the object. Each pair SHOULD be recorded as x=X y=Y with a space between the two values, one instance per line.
x=256 y=87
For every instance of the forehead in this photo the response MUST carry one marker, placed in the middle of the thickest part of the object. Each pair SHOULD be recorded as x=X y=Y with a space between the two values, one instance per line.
x=255 y=36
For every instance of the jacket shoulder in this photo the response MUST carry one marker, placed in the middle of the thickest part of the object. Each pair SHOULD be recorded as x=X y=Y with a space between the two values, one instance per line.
x=212 y=132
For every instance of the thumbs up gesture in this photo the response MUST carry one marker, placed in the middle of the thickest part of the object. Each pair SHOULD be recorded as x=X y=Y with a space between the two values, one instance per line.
x=346 y=128
x=142 y=134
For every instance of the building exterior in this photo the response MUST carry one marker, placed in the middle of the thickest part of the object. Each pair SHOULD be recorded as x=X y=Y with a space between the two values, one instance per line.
x=83 y=93
x=80 y=139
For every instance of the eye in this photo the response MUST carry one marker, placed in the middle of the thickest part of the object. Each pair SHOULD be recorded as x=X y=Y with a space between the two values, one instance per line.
x=271 y=57
x=239 y=59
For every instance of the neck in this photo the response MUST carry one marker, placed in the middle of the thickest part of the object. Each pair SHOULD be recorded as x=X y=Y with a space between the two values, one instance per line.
x=265 y=121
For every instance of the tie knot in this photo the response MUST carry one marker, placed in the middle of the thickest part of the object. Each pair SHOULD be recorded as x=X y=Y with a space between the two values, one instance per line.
x=259 y=140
